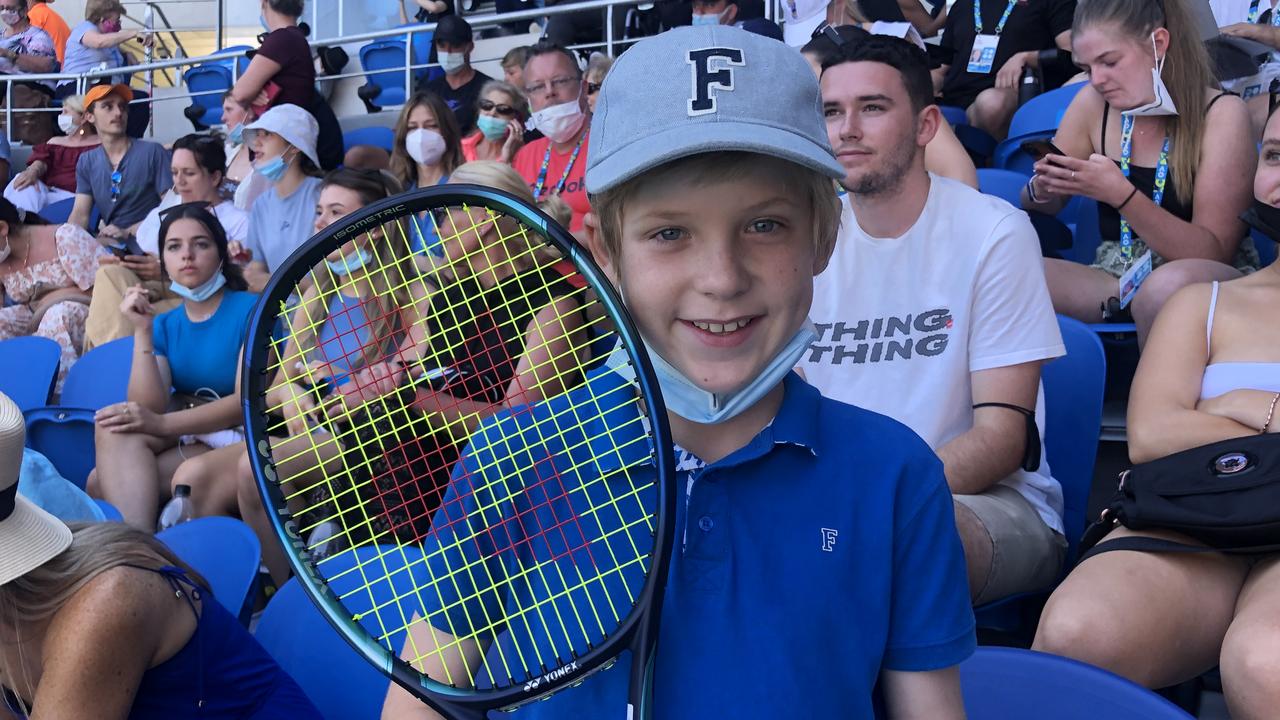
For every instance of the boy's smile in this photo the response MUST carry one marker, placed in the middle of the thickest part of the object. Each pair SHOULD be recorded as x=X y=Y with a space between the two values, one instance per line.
x=718 y=273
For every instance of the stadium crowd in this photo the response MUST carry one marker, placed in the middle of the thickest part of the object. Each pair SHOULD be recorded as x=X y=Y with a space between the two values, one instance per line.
x=937 y=306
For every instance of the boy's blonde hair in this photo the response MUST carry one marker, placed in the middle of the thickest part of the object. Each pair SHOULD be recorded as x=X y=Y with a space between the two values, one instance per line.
x=706 y=168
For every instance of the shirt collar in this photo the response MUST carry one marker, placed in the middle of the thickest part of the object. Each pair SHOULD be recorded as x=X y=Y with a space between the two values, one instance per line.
x=617 y=437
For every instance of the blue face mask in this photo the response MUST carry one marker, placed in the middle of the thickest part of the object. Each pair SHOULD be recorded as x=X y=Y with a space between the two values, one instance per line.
x=273 y=169
x=352 y=262
x=492 y=127
x=711 y=19
x=237 y=134
x=684 y=398
x=263 y=19
x=204 y=291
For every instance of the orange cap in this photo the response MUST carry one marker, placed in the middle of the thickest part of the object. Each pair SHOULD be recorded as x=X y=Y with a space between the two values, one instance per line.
x=97 y=92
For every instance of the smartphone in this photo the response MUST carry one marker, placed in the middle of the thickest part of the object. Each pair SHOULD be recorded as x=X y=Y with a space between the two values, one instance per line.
x=1040 y=148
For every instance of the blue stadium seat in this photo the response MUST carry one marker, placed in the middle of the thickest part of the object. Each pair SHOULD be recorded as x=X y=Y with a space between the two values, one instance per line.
x=1266 y=247
x=28 y=369
x=109 y=511
x=214 y=79
x=336 y=678
x=58 y=213
x=1001 y=683
x=226 y=552
x=1009 y=154
x=100 y=377
x=978 y=143
x=954 y=115
x=421 y=48
x=1073 y=391
x=383 y=63
x=1003 y=184
x=1043 y=112
x=65 y=436
x=1087 y=235
x=378 y=136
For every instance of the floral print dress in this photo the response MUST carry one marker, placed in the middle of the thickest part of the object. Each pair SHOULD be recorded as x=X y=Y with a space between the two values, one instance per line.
x=73 y=266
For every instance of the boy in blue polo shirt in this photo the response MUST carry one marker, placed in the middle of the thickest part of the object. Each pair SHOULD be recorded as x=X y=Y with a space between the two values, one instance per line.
x=816 y=552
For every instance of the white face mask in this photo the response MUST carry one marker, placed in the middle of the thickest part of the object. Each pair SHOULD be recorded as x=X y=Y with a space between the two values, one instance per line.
x=559 y=122
x=4 y=251
x=66 y=124
x=426 y=147
x=1162 y=104
x=451 y=62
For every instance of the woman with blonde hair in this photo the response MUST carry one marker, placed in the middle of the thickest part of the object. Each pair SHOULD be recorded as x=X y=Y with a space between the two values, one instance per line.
x=103 y=621
x=1165 y=153
x=51 y=170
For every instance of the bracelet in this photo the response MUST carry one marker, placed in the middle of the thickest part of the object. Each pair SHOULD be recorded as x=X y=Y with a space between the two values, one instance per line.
x=1031 y=191
x=1126 y=200
x=1271 y=412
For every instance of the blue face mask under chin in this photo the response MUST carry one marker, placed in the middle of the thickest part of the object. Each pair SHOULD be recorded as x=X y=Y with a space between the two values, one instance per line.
x=273 y=169
x=202 y=292
x=350 y=263
x=684 y=398
x=237 y=134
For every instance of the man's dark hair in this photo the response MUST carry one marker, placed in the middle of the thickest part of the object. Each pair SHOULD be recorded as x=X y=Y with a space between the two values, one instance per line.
x=548 y=47
x=288 y=8
x=910 y=62
x=826 y=48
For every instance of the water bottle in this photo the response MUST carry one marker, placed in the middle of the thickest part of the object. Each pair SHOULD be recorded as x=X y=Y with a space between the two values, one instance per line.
x=1029 y=85
x=179 y=509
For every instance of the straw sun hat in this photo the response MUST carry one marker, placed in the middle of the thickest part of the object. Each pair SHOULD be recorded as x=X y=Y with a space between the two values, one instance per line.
x=29 y=536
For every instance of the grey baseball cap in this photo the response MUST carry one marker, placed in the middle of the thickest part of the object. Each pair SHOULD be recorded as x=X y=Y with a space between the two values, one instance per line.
x=696 y=90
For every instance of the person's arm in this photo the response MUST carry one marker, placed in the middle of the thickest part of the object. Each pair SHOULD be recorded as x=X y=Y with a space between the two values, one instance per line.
x=1074 y=137
x=1265 y=34
x=946 y=156
x=32 y=63
x=257 y=275
x=260 y=71
x=438 y=655
x=1164 y=416
x=993 y=448
x=148 y=373
x=920 y=19
x=432 y=6
x=99 y=40
x=1010 y=73
x=932 y=695
x=81 y=210
x=99 y=646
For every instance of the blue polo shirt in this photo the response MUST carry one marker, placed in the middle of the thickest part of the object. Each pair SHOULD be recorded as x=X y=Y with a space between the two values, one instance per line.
x=815 y=557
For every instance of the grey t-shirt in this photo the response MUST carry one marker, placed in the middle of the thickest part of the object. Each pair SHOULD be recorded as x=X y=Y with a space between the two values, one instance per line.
x=144 y=179
x=278 y=226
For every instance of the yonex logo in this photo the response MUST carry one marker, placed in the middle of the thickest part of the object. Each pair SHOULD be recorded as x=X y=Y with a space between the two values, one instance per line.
x=829 y=539
x=704 y=78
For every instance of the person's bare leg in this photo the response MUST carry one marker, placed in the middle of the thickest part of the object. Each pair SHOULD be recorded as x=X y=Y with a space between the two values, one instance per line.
x=1251 y=652
x=1077 y=290
x=1155 y=618
x=212 y=479
x=1168 y=279
x=128 y=475
x=992 y=111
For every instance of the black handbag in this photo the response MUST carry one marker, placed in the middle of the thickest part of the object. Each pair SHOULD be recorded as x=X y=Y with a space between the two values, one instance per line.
x=1226 y=495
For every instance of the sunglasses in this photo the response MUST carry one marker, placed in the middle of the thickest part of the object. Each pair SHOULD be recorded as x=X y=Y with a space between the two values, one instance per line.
x=116 y=178
x=593 y=88
x=491 y=106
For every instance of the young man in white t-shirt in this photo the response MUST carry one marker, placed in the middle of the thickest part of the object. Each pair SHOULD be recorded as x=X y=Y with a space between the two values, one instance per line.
x=934 y=302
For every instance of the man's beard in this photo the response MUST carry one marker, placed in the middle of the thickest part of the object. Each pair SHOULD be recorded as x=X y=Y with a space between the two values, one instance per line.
x=888 y=178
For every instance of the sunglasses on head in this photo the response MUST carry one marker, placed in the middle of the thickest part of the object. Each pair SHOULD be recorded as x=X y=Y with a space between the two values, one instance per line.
x=491 y=106
x=593 y=88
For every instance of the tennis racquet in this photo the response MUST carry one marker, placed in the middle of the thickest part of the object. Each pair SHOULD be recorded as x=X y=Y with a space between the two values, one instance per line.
x=453 y=472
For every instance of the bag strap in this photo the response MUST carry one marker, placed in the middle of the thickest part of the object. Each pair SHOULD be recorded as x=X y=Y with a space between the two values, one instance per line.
x=1147 y=544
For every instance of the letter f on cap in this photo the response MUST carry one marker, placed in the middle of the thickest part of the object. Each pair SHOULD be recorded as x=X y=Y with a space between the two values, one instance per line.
x=704 y=78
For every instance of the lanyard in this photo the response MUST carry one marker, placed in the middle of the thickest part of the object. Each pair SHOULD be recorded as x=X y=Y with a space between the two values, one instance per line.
x=1162 y=176
x=1254 y=13
x=546 y=162
x=977 y=17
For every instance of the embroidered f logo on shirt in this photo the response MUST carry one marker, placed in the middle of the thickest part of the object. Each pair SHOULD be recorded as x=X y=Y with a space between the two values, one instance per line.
x=829 y=539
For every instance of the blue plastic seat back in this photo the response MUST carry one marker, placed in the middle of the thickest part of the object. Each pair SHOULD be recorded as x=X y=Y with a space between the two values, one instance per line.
x=1087 y=236
x=336 y=678
x=59 y=212
x=1009 y=154
x=226 y=552
x=1266 y=247
x=1074 y=386
x=241 y=63
x=100 y=377
x=1000 y=683
x=420 y=47
x=28 y=369
x=1043 y=112
x=978 y=143
x=954 y=115
x=387 y=56
x=378 y=136
x=1004 y=184
x=65 y=436
x=109 y=512
x=213 y=79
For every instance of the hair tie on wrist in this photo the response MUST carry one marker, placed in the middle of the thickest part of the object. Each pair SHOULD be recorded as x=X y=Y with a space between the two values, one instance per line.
x=1126 y=200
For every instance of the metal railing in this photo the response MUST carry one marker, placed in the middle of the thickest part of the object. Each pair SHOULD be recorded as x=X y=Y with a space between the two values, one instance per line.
x=610 y=44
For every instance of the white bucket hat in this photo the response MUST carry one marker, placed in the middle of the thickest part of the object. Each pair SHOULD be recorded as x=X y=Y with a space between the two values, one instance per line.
x=297 y=126
x=29 y=536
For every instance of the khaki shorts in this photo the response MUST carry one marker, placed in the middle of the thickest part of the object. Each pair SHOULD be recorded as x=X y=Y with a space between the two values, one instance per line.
x=1026 y=554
